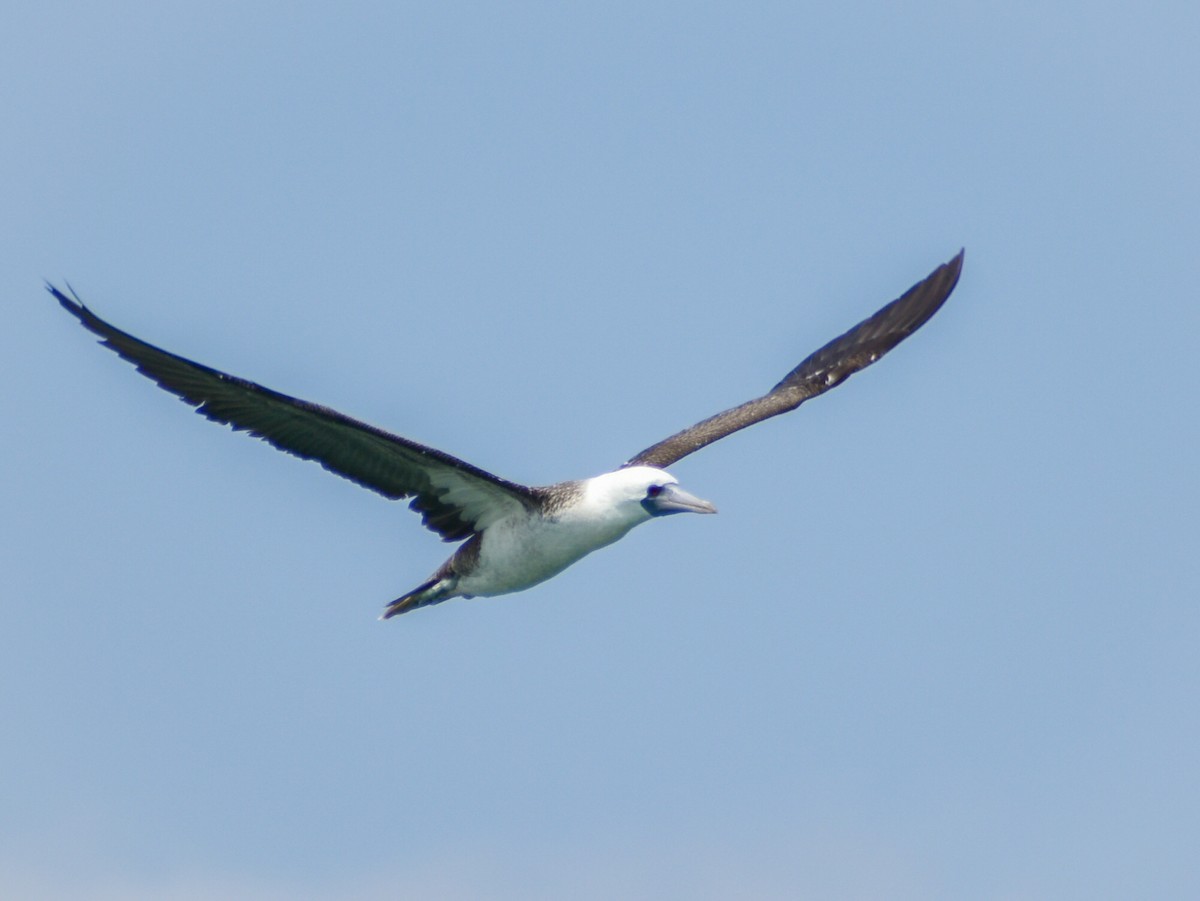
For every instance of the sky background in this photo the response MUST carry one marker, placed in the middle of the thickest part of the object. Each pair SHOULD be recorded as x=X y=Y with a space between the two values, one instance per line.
x=942 y=640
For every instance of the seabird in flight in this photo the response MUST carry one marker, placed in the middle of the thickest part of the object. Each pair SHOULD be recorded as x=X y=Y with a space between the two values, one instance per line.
x=513 y=536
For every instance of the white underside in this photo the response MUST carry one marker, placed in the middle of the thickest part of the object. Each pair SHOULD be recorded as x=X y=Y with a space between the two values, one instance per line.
x=516 y=554
x=519 y=550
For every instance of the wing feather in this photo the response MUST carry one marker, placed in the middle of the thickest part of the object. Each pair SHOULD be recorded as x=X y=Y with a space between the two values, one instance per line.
x=820 y=371
x=454 y=498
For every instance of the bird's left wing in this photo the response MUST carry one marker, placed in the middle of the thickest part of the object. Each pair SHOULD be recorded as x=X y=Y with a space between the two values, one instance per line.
x=828 y=367
x=454 y=498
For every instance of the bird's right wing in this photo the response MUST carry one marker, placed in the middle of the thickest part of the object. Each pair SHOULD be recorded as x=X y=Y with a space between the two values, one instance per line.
x=825 y=369
x=454 y=498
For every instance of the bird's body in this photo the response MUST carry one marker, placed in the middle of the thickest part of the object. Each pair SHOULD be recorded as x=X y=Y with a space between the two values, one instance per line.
x=572 y=520
x=523 y=551
x=513 y=536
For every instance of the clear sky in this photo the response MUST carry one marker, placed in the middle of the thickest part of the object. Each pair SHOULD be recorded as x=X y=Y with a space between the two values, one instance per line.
x=941 y=641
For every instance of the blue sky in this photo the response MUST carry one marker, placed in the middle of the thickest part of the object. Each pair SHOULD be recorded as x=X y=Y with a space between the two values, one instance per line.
x=941 y=641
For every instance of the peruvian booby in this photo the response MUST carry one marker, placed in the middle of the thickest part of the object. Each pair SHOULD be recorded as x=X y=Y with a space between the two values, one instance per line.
x=514 y=536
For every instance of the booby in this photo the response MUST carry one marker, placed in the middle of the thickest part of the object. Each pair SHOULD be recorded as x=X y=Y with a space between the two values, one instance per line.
x=513 y=536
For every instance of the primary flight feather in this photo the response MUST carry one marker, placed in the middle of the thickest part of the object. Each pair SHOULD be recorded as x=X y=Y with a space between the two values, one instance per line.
x=515 y=536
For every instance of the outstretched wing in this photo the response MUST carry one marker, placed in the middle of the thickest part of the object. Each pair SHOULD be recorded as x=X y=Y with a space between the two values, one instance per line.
x=828 y=367
x=454 y=498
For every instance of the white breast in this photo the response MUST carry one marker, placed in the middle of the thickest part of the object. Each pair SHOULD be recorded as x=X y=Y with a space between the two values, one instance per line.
x=520 y=552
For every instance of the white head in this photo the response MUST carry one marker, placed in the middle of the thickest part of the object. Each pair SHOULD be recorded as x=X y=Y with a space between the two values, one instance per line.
x=638 y=493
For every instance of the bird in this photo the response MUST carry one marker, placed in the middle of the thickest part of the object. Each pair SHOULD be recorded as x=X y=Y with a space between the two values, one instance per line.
x=511 y=536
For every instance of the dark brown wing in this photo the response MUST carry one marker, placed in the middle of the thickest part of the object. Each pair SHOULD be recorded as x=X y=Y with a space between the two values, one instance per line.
x=829 y=366
x=454 y=498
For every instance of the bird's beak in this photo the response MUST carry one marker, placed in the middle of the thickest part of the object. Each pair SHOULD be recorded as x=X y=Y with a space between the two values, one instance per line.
x=673 y=499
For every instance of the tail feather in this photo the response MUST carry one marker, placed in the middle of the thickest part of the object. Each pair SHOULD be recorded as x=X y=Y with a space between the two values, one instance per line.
x=434 y=591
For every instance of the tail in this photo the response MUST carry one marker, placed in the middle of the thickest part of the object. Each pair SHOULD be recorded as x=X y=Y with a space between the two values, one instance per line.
x=434 y=591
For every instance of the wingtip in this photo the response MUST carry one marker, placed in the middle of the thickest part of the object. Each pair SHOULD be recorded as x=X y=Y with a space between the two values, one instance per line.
x=72 y=304
x=957 y=262
x=953 y=268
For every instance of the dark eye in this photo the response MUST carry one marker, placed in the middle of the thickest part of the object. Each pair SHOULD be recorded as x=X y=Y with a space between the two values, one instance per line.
x=654 y=491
